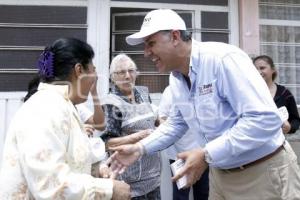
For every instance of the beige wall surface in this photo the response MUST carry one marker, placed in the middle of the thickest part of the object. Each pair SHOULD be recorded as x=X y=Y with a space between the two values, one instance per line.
x=249 y=27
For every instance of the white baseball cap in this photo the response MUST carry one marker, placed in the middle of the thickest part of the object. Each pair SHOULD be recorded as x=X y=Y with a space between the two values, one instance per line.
x=154 y=21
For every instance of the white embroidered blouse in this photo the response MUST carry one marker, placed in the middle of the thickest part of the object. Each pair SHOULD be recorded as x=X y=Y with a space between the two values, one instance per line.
x=47 y=155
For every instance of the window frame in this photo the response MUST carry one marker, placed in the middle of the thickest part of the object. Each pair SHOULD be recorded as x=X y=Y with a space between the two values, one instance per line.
x=285 y=23
x=231 y=9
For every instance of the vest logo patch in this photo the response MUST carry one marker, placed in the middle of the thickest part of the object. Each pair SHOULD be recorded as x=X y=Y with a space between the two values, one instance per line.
x=206 y=89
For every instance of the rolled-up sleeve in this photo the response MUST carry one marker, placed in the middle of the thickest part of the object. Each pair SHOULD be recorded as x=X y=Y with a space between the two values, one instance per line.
x=257 y=118
x=167 y=133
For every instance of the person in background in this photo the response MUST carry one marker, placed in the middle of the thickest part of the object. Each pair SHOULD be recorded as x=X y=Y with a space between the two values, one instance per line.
x=216 y=90
x=188 y=142
x=91 y=120
x=128 y=112
x=45 y=155
x=281 y=95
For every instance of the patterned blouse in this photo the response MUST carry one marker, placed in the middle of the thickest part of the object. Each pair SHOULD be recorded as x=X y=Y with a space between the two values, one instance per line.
x=46 y=155
x=124 y=118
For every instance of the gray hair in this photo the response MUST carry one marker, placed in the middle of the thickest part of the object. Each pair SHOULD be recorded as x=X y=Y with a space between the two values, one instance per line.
x=119 y=60
x=184 y=34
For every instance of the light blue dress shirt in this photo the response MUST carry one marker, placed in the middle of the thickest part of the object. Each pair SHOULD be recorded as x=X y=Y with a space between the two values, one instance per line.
x=228 y=104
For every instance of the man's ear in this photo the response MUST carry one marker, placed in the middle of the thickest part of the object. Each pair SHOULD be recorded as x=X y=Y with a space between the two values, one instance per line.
x=175 y=34
x=78 y=69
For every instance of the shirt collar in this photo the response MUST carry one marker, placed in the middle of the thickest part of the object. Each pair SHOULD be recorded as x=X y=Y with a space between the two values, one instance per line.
x=194 y=58
x=193 y=61
x=61 y=89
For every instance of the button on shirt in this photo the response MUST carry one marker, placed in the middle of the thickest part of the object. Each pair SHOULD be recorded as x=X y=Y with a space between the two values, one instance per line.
x=228 y=104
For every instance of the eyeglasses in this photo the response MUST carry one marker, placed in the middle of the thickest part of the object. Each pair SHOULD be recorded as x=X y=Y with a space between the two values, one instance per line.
x=124 y=72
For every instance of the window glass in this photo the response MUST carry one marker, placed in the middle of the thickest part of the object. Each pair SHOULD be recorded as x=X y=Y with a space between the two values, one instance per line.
x=216 y=37
x=124 y=24
x=280 y=39
x=279 y=12
x=42 y=14
x=15 y=81
x=156 y=82
x=25 y=36
x=11 y=59
x=24 y=32
x=214 y=20
x=214 y=27
x=195 y=2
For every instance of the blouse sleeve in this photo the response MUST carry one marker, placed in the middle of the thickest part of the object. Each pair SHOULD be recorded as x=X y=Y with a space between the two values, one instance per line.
x=49 y=170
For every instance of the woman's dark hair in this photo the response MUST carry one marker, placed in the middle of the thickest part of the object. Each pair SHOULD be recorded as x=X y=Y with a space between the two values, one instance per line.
x=32 y=87
x=268 y=60
x=65 y=53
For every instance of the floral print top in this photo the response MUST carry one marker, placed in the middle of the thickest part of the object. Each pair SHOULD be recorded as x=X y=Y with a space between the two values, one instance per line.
x=46 y=155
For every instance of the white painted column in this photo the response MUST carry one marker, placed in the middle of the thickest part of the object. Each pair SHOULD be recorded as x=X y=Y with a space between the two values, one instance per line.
x=234 y=22
x=98 y=36
x=9 y=104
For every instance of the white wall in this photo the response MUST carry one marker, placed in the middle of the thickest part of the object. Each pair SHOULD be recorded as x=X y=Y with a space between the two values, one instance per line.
x=9 y=104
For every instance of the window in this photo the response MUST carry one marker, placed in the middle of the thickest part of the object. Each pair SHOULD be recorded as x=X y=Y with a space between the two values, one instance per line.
x=209 y=25
x=193 y=2
x=280 y=39
x=25 y=30
x=127 y=23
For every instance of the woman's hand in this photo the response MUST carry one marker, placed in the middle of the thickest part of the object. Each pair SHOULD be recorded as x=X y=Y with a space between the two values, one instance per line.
x=286 y=127
x=89 y=129
x=106 y=172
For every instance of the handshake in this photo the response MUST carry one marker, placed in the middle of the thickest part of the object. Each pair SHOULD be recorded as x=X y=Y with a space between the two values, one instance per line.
x=111 y=168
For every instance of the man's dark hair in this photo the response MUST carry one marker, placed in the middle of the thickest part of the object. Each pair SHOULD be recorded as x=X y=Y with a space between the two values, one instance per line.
x=185 y=35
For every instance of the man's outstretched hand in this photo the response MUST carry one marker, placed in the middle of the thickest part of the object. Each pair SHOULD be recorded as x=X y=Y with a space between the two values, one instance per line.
x=124 y=156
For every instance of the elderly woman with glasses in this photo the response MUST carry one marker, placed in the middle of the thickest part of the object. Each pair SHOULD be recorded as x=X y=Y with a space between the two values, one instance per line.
x=129 y=118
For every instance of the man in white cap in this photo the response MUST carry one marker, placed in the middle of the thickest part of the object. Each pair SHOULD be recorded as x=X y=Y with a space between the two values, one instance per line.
x=217 y=91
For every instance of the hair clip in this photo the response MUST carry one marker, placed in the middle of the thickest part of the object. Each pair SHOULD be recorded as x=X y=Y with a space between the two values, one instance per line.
x=45 y=64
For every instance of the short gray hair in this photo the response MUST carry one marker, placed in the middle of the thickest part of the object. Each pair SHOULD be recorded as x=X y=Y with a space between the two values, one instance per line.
x=184 y=34
x=119 y=60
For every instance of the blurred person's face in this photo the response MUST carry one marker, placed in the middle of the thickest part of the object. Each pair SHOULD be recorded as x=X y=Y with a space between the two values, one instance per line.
x=85 y=81
x=124 y=77
x=159 y=48
x=264 y=69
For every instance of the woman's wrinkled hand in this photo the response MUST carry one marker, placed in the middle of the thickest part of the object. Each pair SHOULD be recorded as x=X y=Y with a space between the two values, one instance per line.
x=106 y=172
x=89 y=129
